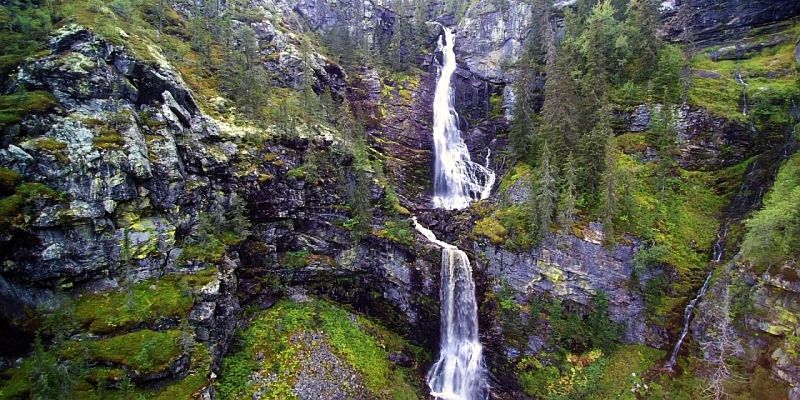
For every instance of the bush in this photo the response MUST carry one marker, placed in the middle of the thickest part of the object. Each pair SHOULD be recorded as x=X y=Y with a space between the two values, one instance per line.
x=491 y=229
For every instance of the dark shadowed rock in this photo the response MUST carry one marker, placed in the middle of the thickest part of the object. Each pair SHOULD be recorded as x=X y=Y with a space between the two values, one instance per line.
x=709 y=22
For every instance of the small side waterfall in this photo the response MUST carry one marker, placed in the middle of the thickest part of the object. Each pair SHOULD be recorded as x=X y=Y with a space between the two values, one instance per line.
x=687 y=319
x=745 y=87
x=742 y=202
x=458 y=374
x=457 y=180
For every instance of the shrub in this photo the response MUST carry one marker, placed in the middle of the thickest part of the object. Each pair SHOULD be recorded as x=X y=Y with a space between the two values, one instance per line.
x=492 y=229
x=16 y=106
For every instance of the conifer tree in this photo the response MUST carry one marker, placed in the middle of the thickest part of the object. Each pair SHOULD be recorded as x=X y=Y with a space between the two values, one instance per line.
x=547 y=193
x=609 y=192
x=642 y=21
x=592 y=155
x=568 y=195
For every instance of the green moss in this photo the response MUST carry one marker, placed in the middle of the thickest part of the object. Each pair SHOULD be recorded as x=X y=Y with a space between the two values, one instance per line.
x=517 y=220
x=14 y=209
x=146 y=302
x=519 y=171
x=296 y=259
x=491 y=229
x=773 y=233
x=397 y=230
x=191 y=384
x=770 y=75
x=14 y=107
x=144 y=350
x=8 y=179
x=682 y=221
x=267 y=345
x=496 y=105
x=50 y=144
x=108 y=139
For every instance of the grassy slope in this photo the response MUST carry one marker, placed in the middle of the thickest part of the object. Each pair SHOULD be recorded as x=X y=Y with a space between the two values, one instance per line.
x=266 y=345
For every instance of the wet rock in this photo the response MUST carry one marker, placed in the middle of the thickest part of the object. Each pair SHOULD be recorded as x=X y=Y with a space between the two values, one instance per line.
x=740 y=51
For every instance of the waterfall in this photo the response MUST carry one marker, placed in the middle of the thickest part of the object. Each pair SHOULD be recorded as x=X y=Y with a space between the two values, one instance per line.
x=458 y=373
x=744 y=84
x=457 y=179
x=687 y=319
x=739 y=205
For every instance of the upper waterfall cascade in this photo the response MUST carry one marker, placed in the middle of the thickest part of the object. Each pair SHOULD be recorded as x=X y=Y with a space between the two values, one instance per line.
x=457 y=180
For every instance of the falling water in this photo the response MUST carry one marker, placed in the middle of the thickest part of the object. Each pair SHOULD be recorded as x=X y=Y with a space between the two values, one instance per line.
x=744 y=84
x=458 y=373
x=739 y=205
x=687 y=318
x=457 y=180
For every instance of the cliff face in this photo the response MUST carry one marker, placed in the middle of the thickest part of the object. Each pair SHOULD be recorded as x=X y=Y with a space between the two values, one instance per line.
x=710 y=22
x=145 y=178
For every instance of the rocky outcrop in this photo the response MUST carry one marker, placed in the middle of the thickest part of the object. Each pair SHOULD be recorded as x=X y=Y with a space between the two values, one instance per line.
x=574 y=270
x=705 y=142
x=767 y=334
x=490 y=38
x=709 y=22
x=136 y=160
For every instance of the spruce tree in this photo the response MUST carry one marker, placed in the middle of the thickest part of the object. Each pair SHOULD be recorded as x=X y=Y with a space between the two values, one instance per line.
x=609 y=190
x=568 y=195
x=547 y=193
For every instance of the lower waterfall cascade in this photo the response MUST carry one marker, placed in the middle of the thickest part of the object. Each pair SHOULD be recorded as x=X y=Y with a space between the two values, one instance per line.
x=458 y=374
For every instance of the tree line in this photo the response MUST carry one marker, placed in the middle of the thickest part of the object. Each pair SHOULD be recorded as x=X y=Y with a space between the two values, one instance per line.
x=609 y=57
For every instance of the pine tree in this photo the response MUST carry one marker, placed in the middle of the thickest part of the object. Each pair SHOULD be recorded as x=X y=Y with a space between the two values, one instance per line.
x=609 y=194
x=642 y=21
x=568 y=195
x=592 y=155
x=547 y=193
x=662 y=136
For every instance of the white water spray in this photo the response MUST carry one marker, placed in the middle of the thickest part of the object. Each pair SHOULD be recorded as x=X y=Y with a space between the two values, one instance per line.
x=458 y=373
x=457 y=180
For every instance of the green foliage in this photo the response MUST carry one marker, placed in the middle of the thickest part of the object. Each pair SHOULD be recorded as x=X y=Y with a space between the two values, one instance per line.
x=143 y=351
x=772 y=86
x=216 y=230
x=24 y=27
x=518 y=220
x=572 y=331
x=398 y=230
x=146 y=302
x=14 y=107
x=50 y=379
x=296 y=259
x=15 y=209
x=773 y=235
x=593 y=375
x=490 y=228
x=545 y=194
x=270 y=344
